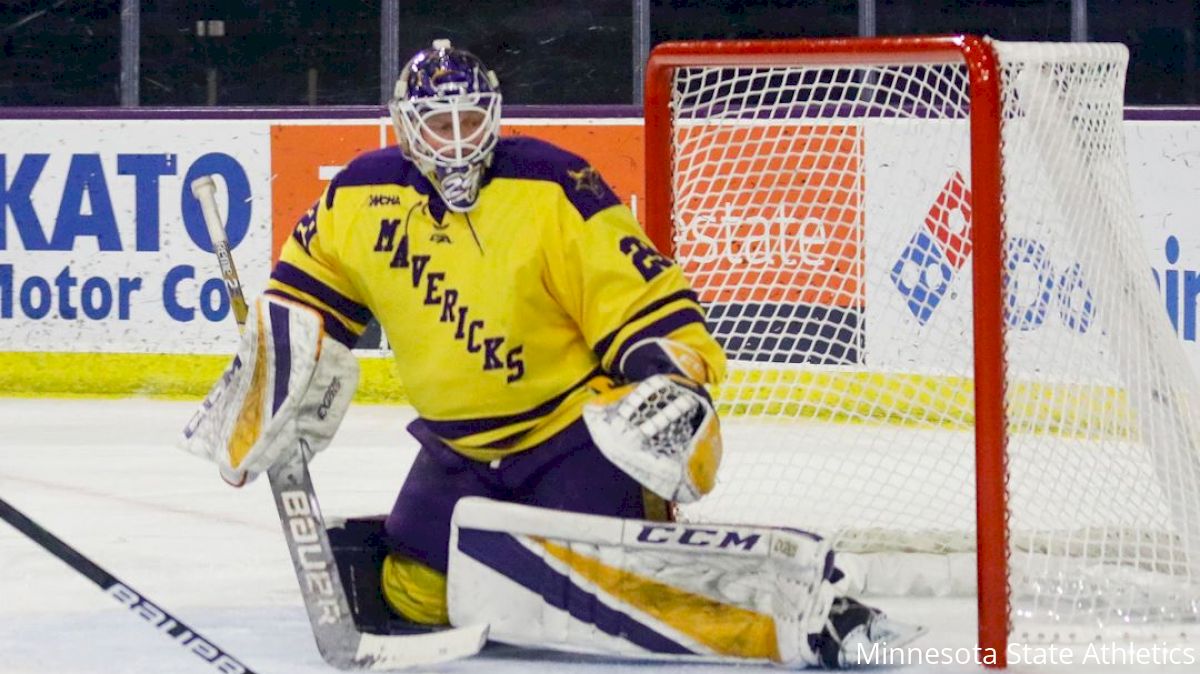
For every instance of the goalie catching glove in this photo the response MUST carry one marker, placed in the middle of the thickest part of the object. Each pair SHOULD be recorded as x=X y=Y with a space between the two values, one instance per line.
x=287 y=389
x=663 y=432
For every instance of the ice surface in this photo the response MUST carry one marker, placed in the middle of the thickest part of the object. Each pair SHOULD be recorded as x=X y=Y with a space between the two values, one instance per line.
x=104 y=476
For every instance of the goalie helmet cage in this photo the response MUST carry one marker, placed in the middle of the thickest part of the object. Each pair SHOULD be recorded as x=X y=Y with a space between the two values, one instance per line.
x=944 y=335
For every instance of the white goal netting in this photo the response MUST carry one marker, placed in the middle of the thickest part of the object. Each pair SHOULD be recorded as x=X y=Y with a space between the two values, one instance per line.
x=824 y=214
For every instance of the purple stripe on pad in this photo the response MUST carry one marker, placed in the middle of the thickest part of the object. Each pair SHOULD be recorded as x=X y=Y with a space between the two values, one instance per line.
x=1167 y=113
x=281 y=342
x=502 y=553
x=333 y=327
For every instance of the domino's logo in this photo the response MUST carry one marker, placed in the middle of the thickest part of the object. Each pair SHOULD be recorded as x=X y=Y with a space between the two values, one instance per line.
x=1035 y=288
x=922 y=276
x=936 y=252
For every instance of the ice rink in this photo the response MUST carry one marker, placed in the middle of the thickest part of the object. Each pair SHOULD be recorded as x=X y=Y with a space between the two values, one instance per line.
x=104 y=475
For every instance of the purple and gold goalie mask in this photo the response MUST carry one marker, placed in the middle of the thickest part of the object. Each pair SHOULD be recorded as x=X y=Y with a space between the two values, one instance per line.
x=446 y=110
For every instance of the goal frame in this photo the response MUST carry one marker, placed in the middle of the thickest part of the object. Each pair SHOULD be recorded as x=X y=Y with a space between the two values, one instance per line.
x=983 y=72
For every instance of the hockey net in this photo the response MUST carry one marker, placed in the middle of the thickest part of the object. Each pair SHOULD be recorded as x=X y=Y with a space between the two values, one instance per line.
x=878 y=242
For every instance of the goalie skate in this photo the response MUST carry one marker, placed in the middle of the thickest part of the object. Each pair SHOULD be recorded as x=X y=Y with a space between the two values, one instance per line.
x=856 y=634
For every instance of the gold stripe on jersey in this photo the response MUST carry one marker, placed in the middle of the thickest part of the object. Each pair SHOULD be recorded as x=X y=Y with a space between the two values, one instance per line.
x=487 y=439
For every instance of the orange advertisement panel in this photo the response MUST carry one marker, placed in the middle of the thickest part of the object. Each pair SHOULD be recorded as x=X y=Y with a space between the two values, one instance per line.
x=771 y=212
x=299 y=152
x=615 y=150
x=305 y=156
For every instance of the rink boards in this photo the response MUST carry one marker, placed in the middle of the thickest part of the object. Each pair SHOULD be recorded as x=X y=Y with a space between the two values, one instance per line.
x=108 y=285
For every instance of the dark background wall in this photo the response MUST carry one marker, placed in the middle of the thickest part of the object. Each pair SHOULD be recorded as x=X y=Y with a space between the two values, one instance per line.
x=297 y=52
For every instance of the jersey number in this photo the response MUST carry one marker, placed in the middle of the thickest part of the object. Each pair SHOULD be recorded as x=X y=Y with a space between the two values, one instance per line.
x=645 y=259
x=306 y=229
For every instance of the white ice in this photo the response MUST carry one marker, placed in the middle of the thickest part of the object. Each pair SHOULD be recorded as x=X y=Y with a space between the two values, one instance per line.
x=104 y=476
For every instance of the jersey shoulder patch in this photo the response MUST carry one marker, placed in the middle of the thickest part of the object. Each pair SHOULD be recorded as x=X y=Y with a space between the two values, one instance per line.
x=386 y=166
x=524 y=158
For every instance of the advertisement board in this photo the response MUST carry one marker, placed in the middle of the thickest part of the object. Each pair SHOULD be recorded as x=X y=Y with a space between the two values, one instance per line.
x=102 y=246
x=773 y=240
x=103 y=250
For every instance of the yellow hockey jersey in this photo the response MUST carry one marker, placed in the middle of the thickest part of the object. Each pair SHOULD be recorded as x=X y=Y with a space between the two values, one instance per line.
x=504 y=320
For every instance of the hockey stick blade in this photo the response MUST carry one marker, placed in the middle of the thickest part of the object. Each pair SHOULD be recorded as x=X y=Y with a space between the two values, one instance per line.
x=337 y=637
x=154 y=615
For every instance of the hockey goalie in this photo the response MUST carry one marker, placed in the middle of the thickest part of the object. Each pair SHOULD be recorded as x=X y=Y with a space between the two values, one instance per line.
x=558 y=366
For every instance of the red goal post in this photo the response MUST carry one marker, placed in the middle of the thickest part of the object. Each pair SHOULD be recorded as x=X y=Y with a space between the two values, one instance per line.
x=982 y=66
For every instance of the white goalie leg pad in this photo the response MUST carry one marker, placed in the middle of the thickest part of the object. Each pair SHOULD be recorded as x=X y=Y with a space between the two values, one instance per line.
x=633 y=588
x=663 y=433
x=287 y=388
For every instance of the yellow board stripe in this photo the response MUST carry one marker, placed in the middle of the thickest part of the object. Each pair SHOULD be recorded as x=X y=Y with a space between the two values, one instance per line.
x=726 y=629
x=922 y=401
x=154 y=375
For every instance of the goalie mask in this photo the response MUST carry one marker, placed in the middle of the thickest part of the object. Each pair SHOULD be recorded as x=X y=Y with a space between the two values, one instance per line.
x=446 y=110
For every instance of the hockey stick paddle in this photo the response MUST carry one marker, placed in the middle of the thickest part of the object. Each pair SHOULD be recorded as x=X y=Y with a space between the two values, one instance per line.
x=338 y=638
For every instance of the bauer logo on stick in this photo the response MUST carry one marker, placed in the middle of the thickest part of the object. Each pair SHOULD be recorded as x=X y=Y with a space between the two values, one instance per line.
x=317 y=576
x=166 y=624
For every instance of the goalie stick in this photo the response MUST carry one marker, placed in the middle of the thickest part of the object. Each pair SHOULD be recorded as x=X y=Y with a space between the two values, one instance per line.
x=338 y=639
x=154 y=615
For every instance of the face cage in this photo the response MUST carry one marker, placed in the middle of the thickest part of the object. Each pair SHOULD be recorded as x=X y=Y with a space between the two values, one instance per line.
x=456 y=152
x=457 y=170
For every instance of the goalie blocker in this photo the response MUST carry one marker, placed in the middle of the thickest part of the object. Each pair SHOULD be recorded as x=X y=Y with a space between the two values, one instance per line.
x=632 y=588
